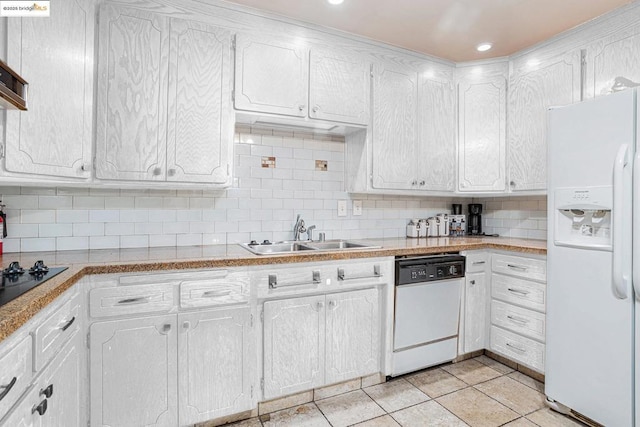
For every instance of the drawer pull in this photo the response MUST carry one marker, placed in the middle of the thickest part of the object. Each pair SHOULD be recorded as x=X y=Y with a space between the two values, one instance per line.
x=472 y=282
x=7 y=388
x=517 y=267
x=166 y=329
x=518 y=320
x=518 y=291
x=47 y=392
x=130 y=301
x=68 y=324
x=41 y=408
x=376 y=274
x=515 y=347
x=478 y=262
x=315 y=280
x=213 y=294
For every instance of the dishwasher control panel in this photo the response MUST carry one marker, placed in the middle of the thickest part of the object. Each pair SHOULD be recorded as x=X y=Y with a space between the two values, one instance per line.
x=429 y=268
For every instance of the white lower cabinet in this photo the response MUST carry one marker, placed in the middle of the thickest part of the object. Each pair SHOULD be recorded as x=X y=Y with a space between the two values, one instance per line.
x=133 y=372
x=317 y=340
x=475 y=303
x=55 y=398
x=294 y=336
x=214 y=351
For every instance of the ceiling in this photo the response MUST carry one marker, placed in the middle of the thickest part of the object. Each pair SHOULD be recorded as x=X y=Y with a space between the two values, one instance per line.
x=449 y=29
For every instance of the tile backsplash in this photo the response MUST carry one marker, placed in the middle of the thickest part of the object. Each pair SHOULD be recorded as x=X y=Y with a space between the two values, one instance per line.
x=278 y=175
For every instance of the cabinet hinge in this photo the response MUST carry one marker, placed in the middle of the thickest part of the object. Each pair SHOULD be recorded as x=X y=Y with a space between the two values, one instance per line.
x=262 y=385
x=251 y=391
x=252 y=320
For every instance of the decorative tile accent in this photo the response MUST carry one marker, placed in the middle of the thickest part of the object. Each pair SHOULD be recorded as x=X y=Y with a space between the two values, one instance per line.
x=269 y=162
x=321 y=165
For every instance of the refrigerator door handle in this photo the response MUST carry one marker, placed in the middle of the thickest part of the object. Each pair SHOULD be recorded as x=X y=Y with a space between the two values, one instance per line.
x=620 y=282
x=636 y=224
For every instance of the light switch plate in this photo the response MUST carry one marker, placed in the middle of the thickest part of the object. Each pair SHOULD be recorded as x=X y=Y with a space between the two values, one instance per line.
x=342 y=208
x=357 y=207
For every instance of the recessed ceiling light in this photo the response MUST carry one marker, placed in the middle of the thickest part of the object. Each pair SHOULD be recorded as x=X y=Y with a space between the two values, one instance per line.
x=335 y=1
x=483 y=47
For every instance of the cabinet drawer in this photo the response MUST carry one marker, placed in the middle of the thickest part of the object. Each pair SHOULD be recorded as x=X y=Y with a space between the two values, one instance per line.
x=477 y=261
x=284 y=281
x=520 y=292
x=122 y=300
x=49 y=337
x=16 y=372
x=519 y=320
x=518 y=348
x=233 y=289
x=528 y=268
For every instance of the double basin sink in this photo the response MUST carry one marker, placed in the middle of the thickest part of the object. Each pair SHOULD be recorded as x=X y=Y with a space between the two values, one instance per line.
x=293 y=247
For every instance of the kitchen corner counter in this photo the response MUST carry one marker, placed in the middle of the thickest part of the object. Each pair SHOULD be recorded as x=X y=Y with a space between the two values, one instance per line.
x=81 y=263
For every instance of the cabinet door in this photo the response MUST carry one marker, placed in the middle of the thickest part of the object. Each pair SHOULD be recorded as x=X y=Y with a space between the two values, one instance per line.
x=22 y=414
x=339 y=87
x=475 y=308
x=132 y=95
x=534 y=87
x=216 y=358
x=133 y=372
x=394 y=128
x=482 y=131
x=271 y=76
x=65 y=405
x=55 y=55
x=199 y=124
x=294 y=334
x=353 y=335
x=613 y=61
x=437 y=147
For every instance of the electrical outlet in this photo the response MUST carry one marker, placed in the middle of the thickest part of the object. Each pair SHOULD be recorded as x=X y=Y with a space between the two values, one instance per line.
x=342 y=208
x=357 y=207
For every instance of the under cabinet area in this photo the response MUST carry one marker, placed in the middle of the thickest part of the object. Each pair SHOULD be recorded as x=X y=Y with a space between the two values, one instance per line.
x=174 y=348
x=518 y=306
x=316 y=334
x=171 y=106
x=281 y=77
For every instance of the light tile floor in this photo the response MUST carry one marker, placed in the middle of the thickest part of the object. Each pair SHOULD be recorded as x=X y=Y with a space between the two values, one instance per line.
x=477 y=392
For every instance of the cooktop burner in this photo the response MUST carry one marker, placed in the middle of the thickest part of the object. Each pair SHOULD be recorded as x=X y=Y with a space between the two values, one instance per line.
x=16 y=280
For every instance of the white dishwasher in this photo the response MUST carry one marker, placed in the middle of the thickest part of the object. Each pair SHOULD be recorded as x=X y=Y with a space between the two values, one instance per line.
x=427 y=311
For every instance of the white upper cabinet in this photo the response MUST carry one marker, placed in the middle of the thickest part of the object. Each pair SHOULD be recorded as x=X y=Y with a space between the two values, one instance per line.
x=280 y=77
x=132 y=95
x=164 y=106
x=613 y=61
x=272 y=76
x=339 y=87
x=199 y=123
x=482 y=132
x=535 y=85
x=55 y=55
x=436 y=130
x=394 y=142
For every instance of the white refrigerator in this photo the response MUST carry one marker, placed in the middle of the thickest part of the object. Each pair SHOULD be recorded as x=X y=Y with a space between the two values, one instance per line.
x=594 y=226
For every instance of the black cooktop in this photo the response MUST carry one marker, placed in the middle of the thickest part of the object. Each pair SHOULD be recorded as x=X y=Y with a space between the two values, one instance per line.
x=17 y=280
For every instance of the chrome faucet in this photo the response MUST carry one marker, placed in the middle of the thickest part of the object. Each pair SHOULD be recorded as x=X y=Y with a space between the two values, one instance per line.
x=299 y=228
x=310 y=232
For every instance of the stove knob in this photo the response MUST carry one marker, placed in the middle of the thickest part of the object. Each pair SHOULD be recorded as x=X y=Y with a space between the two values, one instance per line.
x=39 y=266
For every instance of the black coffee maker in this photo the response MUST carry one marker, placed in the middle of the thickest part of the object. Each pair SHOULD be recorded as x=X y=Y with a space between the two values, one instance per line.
x=474 y=223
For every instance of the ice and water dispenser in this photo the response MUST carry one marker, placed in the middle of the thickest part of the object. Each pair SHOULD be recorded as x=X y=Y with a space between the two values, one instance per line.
x=583 y=217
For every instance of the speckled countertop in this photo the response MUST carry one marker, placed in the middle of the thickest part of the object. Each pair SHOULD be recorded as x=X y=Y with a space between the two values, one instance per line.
x=81 y=263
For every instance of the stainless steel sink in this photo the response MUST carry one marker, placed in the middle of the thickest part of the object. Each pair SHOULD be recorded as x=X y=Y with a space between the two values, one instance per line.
x=328 y=245
x=277 y=248
x=292 y=247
